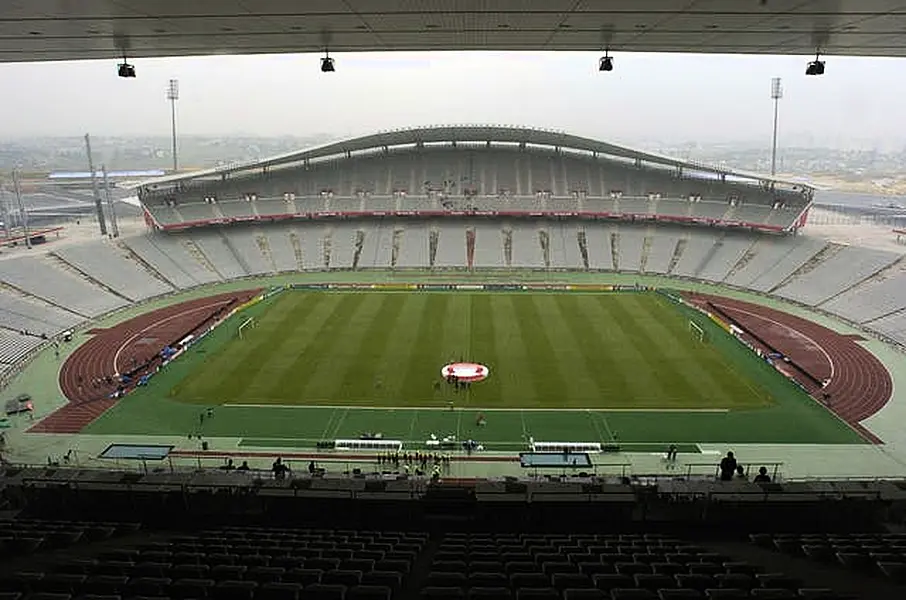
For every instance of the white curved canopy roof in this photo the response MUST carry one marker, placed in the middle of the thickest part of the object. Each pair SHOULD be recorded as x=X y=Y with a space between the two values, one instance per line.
x=36 y=30
x=462 y=134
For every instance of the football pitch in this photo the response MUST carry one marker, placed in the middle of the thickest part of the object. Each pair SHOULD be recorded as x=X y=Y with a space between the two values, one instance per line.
x=623 y=367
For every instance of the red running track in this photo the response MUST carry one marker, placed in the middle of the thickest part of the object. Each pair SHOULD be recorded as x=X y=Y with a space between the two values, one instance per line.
x=859 y=384
x=130 y=347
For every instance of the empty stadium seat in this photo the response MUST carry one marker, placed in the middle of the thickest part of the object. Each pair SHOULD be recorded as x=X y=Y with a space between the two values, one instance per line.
x=369 y=592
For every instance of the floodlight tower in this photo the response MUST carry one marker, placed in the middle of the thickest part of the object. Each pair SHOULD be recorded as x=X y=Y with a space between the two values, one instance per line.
x=776 y=95
x=173 y=96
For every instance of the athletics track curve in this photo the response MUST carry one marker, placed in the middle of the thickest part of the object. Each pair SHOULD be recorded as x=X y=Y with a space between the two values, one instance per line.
x=859 y=384
x=129 y=347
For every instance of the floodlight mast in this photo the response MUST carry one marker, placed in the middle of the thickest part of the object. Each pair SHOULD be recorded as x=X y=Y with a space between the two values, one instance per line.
x=23 y=212
x=173 y=96
x=776 y=95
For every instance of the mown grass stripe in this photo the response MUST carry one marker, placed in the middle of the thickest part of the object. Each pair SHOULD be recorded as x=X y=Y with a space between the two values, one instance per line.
x=304 y=364
x=511 y=357
x=609 y=380
x=613 y=324
x=426 y=356
x=290 y=337
x=328 y=377
x=542 y=368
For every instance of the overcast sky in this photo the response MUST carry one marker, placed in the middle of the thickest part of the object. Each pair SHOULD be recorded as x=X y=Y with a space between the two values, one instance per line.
x=677 y=98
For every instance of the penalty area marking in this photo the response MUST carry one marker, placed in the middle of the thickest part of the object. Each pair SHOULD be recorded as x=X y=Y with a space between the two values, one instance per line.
x=479 y=408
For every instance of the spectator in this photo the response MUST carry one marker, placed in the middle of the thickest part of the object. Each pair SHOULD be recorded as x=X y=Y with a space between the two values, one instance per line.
x=762 y=476
x=727 y=467
x=228 y=466
x=671 y=452
x=312 y=468
x=740 y=472
x=280 y=470
x=244 y=466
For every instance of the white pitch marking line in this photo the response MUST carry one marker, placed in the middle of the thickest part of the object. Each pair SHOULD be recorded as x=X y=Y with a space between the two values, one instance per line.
x=514 y=409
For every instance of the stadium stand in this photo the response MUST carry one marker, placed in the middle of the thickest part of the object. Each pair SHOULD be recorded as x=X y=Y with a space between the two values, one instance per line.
x=247 y=246
x=280 y=241
x=407 y=175
x=892 y=326
x=629 y=249
x=377 y=241
x=117 y=271
x=697 y=249
x=210 y=246
x=873 y=298
x=787 y=264
x=167 y=257
x=569 y=234
x=342 y=243
x=40 y=277
x=15 y=346
x=368 y=537
x=451 y=244
x=527 y=252
x=600 y=247
x=657 y=250
x=488 y=245
x=728 y=250
x=21 y=314
x=879 y=553
x=414 y=246
x=845 y=268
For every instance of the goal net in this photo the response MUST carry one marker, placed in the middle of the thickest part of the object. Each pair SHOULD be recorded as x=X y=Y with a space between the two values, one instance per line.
x=245 y=327
x=697 y=332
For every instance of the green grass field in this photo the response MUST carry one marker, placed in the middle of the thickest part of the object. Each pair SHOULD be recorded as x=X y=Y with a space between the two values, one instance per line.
x=564 y=366
x=575 y=351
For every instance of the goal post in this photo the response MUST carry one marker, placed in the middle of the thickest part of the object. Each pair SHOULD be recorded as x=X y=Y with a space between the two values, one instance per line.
x=697 y=332
x=245 y=326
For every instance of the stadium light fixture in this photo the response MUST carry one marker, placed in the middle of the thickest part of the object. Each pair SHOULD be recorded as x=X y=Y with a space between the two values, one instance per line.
x=327 y=64
x=173 y=96
x=125 y=70
x=815 y=67
x=606 y=62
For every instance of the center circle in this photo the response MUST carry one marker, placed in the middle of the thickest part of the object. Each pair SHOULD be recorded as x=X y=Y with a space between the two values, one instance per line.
x=465 y=371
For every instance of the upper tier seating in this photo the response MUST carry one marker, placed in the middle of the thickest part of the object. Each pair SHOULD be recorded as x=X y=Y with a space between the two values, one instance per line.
x=529 y=181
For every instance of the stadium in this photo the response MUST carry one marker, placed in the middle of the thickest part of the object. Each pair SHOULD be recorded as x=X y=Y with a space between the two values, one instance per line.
x=480 y=362
x=309 y=303
x=321 y=306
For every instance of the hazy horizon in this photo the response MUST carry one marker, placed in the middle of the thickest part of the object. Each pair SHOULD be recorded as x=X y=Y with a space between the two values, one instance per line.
x=668 y=98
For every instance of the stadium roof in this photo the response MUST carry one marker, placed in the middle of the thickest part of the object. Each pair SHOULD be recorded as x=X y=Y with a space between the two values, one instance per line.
x=466 y=133
x=35 y=30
